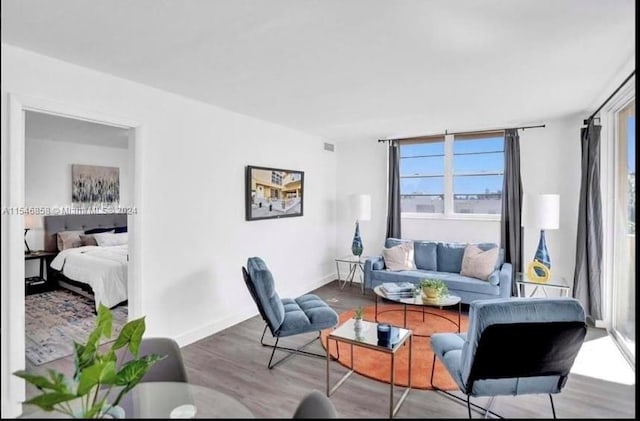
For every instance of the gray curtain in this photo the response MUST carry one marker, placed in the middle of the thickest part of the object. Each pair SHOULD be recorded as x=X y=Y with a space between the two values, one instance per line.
x=587 y=279
x=393 y=206
x=510 y=229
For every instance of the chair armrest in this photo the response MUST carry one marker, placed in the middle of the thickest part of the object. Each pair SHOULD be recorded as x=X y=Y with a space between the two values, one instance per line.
x=506 y=275
x=371 y=264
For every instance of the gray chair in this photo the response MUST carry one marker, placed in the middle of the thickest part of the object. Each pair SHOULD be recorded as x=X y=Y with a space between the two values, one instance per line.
x=315 y=405
x=169 y=369
x=286 y=316
x=513 y=346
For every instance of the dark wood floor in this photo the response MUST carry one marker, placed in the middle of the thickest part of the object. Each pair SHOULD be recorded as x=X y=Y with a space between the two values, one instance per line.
x=234 y=362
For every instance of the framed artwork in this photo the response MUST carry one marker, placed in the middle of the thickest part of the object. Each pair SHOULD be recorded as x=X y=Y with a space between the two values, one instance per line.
x=92 y=184
x=273 y=193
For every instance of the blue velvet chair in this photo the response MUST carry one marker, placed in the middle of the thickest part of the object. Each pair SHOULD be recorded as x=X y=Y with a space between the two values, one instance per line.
x=513 y=346
x=286 y=316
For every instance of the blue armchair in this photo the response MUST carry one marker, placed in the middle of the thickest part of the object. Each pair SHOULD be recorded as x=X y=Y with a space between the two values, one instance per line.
x=286 y=316
x=513 y=346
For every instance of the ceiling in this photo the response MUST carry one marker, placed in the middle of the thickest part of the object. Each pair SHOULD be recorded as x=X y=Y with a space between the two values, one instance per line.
x=40 y=126
x=344 y=70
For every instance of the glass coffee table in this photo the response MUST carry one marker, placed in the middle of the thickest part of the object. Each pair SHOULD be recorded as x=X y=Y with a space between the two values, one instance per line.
x=366 y=336
x=418 y=303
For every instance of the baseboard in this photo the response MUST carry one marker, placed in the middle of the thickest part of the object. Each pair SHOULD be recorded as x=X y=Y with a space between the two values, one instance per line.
x=245 y=313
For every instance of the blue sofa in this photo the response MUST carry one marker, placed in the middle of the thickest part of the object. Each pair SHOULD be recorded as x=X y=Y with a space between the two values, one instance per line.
x=442 y=260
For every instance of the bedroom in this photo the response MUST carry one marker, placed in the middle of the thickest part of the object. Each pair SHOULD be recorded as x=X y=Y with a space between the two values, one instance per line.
x=280 y=87
x=77 y=180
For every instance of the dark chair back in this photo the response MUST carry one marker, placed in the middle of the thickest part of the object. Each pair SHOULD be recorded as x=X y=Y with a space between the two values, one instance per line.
x=315 y=405
x=169 y=369
x=527 y=350
x=518 y=338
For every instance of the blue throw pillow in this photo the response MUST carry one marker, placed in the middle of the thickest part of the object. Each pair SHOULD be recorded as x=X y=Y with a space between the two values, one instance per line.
x=425 y=255
x=120 y=229
x=450 y=257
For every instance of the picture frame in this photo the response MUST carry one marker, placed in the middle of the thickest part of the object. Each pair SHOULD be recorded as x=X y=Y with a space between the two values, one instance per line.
x=273 y=193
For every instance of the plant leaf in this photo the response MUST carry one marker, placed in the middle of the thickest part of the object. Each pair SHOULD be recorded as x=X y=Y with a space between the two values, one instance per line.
x=104 y=322
x=101 y=372
x=40 y=382
x=132 y=372
x=131 y=336
x=46 y=401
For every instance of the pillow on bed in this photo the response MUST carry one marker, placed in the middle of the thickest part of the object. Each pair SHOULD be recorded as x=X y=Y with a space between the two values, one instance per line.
x=69 y=239
x=104 y=239
x=89 y=239
x=120 y=229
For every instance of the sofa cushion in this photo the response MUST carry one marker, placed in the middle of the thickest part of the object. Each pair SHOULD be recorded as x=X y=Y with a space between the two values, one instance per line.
x=425 y=255
x=399 y=257
x=488 y=246
x=477 y=263
x=450 y=257
x=455 y=281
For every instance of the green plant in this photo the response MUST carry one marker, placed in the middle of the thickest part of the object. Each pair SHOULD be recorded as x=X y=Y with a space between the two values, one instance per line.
x=359 y=313
x=96 y=374
x=438 y=286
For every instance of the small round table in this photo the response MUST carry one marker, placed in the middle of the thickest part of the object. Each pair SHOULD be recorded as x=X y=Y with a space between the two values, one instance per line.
x=419 y=300
x=158 y=399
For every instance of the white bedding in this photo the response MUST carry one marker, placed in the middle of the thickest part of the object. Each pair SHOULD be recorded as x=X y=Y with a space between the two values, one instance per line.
x=104 y=269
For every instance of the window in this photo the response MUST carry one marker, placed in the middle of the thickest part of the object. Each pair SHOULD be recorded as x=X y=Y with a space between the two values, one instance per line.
x=422 y=176
x=451 y=176
x=623 y=320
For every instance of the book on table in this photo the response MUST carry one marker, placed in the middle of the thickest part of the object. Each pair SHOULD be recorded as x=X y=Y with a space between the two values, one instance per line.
x=398 y=289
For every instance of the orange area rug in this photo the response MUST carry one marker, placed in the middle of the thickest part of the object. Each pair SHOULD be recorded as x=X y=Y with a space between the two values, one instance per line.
x=377 y=365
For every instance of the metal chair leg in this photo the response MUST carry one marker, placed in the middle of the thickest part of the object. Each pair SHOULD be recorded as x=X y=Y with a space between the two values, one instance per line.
x=291 y=351
x=553 y=408
x=469 y=406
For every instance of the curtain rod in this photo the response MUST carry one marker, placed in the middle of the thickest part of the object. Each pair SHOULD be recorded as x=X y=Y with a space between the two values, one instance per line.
x=463 y=133
x=586 y=122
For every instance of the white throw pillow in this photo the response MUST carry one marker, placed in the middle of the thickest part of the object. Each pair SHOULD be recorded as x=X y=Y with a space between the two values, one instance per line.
x=105 y=239
x=399 y=257
x=477 y=263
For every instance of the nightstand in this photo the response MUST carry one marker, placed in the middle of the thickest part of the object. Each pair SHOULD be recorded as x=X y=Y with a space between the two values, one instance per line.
x=35 y=284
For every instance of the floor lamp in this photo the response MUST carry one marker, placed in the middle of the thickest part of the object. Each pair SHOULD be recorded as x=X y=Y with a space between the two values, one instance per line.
x=541 y=212
x=361 y=209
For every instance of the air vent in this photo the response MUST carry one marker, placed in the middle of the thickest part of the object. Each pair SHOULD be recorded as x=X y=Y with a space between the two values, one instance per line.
x=328 y=147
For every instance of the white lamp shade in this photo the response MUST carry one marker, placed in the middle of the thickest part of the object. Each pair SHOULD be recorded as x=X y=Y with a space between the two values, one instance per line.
x=541 y=211
x=32 y=221
x=361 y=206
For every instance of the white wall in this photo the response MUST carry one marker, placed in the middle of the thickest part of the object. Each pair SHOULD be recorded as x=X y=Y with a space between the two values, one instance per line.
x=48 y=175
x=551 y=163
x=194 y=236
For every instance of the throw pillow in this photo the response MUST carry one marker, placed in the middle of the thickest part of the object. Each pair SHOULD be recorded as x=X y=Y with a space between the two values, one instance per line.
x=69 y=239
x=105 y=239
x=399 y=257
x=477 y=263
x=90 y=240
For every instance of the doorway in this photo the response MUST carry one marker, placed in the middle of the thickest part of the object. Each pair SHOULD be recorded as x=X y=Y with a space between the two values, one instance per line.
x=75 y=170
x=13 y=256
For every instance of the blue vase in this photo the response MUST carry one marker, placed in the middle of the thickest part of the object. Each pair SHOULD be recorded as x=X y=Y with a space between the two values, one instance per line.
x=356 y=245
x=542 y=255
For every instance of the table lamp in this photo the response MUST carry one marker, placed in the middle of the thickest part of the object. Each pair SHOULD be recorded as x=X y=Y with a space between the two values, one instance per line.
x=541 y=212
x=31 y=222
x=361 y=209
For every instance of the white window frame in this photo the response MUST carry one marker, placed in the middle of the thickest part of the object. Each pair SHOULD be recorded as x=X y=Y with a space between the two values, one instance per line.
x=449 y=214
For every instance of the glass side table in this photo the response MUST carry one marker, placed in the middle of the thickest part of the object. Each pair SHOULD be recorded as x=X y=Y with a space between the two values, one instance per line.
x=355 y=264
x=522 y=280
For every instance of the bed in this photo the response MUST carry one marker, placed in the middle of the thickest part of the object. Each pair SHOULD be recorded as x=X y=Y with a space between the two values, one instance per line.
x=98 y=272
